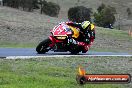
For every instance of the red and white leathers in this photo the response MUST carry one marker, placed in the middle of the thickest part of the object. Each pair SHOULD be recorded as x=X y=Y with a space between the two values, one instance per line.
x=87 y=35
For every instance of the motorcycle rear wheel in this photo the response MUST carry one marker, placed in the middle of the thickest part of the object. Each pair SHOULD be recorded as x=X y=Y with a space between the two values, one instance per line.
x=42 y=47
x=74 y=50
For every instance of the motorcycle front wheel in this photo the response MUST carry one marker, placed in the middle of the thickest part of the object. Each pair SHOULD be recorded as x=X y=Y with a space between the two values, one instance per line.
x=42 y=46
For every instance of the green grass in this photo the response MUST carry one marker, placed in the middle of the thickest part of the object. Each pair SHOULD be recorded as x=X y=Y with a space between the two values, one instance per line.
x=114 y=33
x=8 y=44
x=103 y=49
x=112 y=40
x=53 y=72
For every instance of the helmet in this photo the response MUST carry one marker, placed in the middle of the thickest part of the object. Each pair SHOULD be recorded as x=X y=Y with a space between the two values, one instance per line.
x=85 y=24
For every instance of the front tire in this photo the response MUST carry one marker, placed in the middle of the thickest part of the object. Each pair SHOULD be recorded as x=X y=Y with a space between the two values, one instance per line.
x=42 y=47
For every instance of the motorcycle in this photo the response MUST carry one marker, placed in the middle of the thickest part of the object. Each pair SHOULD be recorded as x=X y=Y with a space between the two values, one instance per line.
x=58 y=40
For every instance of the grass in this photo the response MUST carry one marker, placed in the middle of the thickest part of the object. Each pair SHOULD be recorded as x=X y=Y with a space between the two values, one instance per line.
x=8 y=44
x=57 y=72
x=114 y=33
x=112 y=40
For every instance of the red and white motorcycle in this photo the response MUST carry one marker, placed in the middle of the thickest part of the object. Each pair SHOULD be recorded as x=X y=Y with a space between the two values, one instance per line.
x=58 y=40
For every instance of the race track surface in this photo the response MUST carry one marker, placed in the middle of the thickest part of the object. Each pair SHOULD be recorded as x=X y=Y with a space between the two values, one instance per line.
x=5 y=52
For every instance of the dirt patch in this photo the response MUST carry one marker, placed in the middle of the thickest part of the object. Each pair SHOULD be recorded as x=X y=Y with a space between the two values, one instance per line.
x=20 y=26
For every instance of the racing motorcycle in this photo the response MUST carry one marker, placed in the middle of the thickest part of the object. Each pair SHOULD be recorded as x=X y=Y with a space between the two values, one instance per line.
x=58 y=40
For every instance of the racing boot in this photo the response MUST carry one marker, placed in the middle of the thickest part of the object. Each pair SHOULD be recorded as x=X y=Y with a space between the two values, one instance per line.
x=86 y=48
x=72 y=41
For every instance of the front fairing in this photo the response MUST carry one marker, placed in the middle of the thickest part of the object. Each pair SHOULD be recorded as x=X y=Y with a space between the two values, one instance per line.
x=61 y=31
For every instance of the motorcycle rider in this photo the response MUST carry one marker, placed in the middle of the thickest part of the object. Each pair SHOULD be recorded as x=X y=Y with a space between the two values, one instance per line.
x=87 y=34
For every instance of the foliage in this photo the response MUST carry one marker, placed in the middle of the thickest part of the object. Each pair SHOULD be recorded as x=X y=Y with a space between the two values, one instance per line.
x=50 y=8
x=101 y=7
x=105 y=16
x=129 y=12
x=27 y=5
x=79 y=13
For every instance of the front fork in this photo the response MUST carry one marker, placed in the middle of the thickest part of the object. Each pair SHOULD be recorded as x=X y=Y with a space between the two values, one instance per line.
x=54 y=41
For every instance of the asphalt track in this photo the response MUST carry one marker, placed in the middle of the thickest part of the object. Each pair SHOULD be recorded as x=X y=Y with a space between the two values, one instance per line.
x=30 y=52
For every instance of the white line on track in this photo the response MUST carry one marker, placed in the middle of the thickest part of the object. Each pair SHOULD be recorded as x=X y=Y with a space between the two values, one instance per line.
x=28 y=57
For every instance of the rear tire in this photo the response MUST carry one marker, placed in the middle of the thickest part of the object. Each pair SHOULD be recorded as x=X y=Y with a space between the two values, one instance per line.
x=42 y=47
x=75 y=50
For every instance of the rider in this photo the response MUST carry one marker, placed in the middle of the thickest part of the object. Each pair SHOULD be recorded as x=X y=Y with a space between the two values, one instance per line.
x=87 y=34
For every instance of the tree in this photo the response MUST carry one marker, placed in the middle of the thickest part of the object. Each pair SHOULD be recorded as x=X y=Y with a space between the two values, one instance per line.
x=129 y=12
x=50 y=8
x=101 y=7
x=27 y=5
x=105 y=16
x=79 y=14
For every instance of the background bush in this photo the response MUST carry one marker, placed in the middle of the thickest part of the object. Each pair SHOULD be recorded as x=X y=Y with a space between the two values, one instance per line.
x=105 y=16
x=49 y=8
x=129 y=13
x=79 y=14
x=26 y=5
